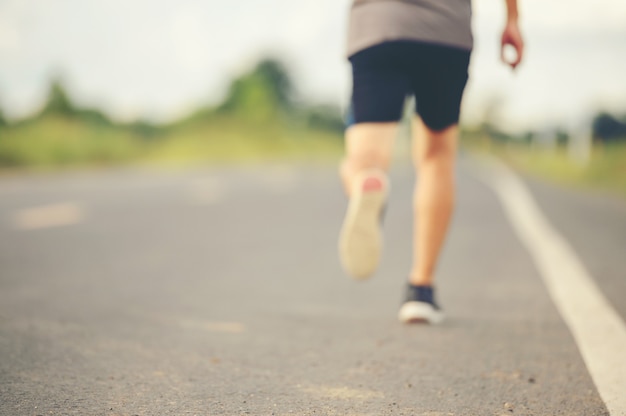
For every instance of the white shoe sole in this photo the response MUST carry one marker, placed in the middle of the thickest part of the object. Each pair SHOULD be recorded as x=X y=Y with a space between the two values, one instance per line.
x=360 y=240
x=420 y=313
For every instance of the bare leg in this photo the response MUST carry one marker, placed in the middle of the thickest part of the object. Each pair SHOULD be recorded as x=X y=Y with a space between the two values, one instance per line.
x=434 y=154
x=368 y=155
x=368 y=146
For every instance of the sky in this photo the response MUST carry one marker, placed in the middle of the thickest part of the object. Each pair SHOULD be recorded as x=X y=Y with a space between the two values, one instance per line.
x=160 y=59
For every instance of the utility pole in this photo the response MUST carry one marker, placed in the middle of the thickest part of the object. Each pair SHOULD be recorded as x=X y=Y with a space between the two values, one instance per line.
x=579 y=146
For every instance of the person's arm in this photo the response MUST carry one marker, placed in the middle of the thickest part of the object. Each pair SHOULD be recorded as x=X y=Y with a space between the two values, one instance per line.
x=511 y=35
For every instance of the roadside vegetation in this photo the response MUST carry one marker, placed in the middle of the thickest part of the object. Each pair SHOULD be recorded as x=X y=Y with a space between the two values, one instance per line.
x=262 y=119
x=259 y=119
x=599 y=162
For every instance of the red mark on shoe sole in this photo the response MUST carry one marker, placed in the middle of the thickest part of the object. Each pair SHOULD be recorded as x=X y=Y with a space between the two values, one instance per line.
x=372 y=184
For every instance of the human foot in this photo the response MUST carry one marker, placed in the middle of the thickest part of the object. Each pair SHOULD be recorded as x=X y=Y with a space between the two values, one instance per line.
x=420 y=307
x=360 y=241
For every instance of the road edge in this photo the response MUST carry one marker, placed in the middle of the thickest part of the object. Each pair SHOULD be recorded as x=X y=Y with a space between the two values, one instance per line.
x=597 y=328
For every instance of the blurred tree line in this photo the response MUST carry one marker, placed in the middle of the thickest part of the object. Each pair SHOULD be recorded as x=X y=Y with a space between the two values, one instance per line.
x=264 y=94
x=261 y=112
x=267 y=93
x=605 y=128
x=608 y=128
x=592 y=156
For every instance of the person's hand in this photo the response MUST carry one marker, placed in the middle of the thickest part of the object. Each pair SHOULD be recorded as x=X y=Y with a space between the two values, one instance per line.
x=512 y=36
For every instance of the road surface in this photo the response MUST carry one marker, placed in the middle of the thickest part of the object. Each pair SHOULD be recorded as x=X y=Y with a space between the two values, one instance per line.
x=218 y=292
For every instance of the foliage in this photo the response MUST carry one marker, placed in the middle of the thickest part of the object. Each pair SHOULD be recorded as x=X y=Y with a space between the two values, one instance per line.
x=324 y=117
x=275 y=75
x=262 y=94
x=606 y=168
x=59 y=141
x=258 y=119
x=267 y=93
x=60 y=104
x=607 y=128
x=58 y=101
x=227 y=139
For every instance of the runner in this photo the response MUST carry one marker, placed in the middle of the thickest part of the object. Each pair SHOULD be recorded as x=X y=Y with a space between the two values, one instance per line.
x=399 y=48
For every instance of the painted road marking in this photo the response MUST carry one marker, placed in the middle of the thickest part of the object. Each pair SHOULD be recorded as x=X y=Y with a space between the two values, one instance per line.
x=49 y=216
x=597 y=328
x=279 y=179
x=342 y=393
x=213 y=326
x=206 y=191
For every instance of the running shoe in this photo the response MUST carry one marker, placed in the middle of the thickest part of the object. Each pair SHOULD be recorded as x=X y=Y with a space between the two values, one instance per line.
x=420 y=307
x=360 y=240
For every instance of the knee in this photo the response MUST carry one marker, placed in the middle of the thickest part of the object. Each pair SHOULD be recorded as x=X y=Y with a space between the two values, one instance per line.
x=370 y=145
x=369 y=158
x=438 y=150
x=436 y=146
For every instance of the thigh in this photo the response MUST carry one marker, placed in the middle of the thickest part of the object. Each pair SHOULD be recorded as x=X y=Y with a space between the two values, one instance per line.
x=380 y=85
x=438 y=81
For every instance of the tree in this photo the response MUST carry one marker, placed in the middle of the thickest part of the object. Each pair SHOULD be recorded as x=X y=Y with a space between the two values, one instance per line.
x=275 y=75
x=261 y=94
x=562 y=137
x=59 y=102
x=606 y=128
x=325 y=117
x=3 y=120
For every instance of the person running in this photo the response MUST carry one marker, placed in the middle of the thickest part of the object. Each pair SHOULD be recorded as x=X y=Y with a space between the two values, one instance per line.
x=399 y=48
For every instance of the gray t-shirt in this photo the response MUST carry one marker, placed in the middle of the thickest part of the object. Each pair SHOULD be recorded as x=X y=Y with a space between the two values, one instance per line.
x=446 y=22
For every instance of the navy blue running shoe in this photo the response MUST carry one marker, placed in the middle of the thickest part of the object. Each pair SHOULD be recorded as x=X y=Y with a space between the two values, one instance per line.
x=420 y=307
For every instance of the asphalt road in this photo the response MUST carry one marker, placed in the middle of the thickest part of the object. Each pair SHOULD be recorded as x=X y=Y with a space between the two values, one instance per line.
x=219 y=292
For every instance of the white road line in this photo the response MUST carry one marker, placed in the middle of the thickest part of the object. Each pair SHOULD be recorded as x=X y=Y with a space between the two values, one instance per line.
x=48 y=216
x=213 y=326
x=206 y=191
x=280 y=179
x=597 y=328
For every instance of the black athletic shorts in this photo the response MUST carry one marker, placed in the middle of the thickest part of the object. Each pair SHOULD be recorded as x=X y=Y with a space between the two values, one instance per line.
x=385 y=74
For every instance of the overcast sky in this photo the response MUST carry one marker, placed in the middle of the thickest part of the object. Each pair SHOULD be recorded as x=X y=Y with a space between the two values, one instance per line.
x=161 y=58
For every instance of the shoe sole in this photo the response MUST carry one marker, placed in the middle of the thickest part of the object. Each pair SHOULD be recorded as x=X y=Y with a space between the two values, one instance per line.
x=360 y=240
x=420 y=313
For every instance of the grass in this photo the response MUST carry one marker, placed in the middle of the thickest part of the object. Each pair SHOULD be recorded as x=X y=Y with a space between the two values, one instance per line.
x=605 y=170
x=230 y=140
x=57 y=142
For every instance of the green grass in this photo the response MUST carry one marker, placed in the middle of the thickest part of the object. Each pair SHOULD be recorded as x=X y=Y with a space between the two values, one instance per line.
x=230 y=140
x=57 y=142
x=605 y=170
